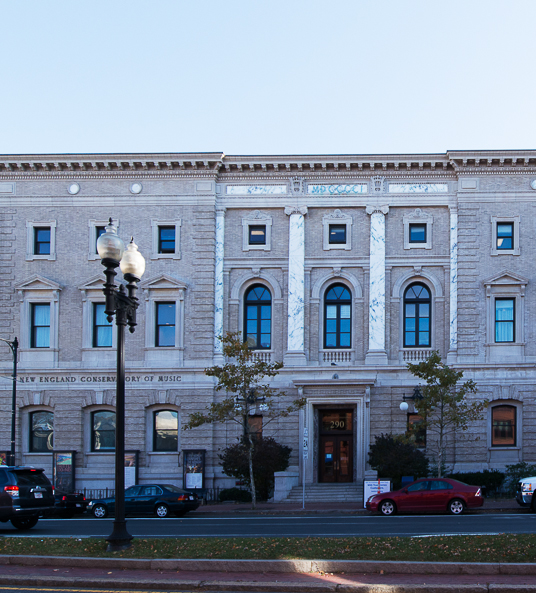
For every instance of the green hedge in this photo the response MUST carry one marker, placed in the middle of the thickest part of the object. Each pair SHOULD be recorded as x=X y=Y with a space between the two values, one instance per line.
x=491 y=479
x=235 y=494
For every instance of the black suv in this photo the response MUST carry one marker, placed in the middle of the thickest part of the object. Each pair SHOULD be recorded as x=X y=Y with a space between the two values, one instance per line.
x=25 y=494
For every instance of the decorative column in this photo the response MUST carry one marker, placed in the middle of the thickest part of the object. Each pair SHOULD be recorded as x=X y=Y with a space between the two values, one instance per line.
x=218 y=285
x=376 y=352
x=295 y=354
x=453 y=320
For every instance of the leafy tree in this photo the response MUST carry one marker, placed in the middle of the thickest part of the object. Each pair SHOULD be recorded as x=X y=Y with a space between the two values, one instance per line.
x=268 y=457
x=241 y=379
x=394 y=456
x=444 y=407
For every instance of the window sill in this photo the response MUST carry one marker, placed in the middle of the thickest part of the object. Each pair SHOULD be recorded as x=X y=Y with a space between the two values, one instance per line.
x=505 y=448
x=163 y=452
x=41 y=257
x=166 y=256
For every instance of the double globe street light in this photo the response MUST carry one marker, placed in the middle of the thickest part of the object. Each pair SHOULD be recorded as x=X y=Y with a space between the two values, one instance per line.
x=122 y=303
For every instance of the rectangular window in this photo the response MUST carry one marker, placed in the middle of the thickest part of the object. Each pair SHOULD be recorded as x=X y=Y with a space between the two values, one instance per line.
x=505 y=235
x=255 y=426
x=103 y=431
x=503 y=433
x=165 y=431
x=165 y=324
x=257 y=234
x=41 y=240
x=416 y=429
x=417 y=233
x=337 y=234
x=41 y=432
x=102 y=328
x=40 y=329
x=99 y=230
x=504 y=320
x=166 y=239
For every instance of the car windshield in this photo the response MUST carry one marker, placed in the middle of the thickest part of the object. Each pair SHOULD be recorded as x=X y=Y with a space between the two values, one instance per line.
x=172 y=488
x=31 y=478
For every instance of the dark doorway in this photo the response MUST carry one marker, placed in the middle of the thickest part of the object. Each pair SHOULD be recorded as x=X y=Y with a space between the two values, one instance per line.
x=336 y=446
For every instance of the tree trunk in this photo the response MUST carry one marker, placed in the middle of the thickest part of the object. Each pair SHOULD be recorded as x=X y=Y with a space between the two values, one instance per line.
x=251 y=477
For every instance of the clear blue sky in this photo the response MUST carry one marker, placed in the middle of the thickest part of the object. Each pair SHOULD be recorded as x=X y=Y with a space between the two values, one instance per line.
x=267 y=76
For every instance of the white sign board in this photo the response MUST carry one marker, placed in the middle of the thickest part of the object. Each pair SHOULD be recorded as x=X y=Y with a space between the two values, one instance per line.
x=372 y=487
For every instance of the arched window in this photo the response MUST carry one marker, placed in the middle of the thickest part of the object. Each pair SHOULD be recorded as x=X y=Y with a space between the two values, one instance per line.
x=165 y=430
x=41 y=432
x=103 y=431
x=258 y=318
x=338 y=317
x=417 y=303
x=503 y=420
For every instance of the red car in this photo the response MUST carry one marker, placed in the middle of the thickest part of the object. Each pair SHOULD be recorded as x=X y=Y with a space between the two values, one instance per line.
x=428 y=494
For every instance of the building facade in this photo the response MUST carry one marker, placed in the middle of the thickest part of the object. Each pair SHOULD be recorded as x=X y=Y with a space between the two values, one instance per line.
x=344 y=267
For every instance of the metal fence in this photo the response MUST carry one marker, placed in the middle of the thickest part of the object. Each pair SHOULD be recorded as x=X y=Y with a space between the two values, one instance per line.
x=209 y=495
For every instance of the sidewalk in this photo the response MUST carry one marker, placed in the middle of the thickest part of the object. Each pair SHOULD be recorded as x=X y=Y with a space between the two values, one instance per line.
x=507 y=505
x=256 y=576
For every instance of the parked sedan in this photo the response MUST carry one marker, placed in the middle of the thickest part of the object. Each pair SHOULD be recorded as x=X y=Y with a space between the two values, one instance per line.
x=69 y=504
x=160 y=499
x=430 y=494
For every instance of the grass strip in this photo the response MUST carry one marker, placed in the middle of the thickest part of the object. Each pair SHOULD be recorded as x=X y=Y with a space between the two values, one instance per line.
x=473 y=548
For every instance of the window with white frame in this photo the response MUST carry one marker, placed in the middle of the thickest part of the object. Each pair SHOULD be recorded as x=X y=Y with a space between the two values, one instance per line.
x=164 y=319
x=102 y=431
x=418 y=230
x=39 y=299
x=257 y=232
x=41 y=240
x=166 y=239
x=505 y=303
x=102 y=328
x=96 y=228
x=505 y=235
x=337 y=231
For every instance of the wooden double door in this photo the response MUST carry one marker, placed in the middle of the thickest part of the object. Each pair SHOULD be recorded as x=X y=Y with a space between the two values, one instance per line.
x=336 y=446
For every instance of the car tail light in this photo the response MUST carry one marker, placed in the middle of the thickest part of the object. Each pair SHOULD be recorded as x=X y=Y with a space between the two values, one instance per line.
x=13 y=491
x=478 y=492
x=53 y=490
x=183 y=497
x=64 y=498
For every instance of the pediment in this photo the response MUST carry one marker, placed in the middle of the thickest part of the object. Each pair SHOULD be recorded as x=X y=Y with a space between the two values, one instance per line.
x=506 y=278
x=94 y=283
x=163 y=281
x=37 y=282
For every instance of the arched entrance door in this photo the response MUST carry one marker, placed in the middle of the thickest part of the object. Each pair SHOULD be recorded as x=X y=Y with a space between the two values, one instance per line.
x=336 y=446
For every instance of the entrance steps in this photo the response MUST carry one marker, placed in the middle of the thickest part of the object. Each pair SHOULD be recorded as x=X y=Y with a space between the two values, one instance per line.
x=326 y=493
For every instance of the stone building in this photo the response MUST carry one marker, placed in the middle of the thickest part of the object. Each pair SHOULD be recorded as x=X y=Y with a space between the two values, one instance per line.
x=345 y=267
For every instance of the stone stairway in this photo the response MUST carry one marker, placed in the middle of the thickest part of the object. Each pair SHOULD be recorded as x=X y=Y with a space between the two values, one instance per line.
x=327 y=493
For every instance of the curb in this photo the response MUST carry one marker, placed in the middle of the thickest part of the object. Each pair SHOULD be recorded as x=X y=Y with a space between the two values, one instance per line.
x=280 y=566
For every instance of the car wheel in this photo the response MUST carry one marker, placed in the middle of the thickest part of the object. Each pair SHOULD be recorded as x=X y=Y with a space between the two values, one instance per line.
x=387 y=507
x=456 y=506
x=161 y=510
x=25 y=522
x=100 y=511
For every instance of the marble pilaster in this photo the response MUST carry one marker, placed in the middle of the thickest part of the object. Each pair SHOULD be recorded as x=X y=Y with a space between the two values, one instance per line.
x=453 y=321
x=218 y=283
x=295 y=354
x=376 y=351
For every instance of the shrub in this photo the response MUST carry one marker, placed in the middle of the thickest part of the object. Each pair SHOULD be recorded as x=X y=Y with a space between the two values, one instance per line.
x=491 y=479
x=515 y=472
x=394 y=456
x=268 y=457
x=235 y=494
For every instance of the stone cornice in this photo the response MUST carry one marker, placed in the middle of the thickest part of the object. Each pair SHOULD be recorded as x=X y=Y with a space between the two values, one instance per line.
x=227 y=168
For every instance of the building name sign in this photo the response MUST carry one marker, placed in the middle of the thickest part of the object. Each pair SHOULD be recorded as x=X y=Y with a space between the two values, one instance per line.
x=97 y=379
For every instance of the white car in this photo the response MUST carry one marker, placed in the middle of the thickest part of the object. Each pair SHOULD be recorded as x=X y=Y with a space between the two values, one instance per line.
x=525 y=490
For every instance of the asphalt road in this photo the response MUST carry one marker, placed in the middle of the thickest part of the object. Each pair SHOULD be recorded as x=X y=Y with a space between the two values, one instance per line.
x=290 y=526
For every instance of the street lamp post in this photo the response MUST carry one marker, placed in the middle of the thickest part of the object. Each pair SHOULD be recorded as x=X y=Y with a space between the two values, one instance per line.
x=14 y=345
x=123 y=304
